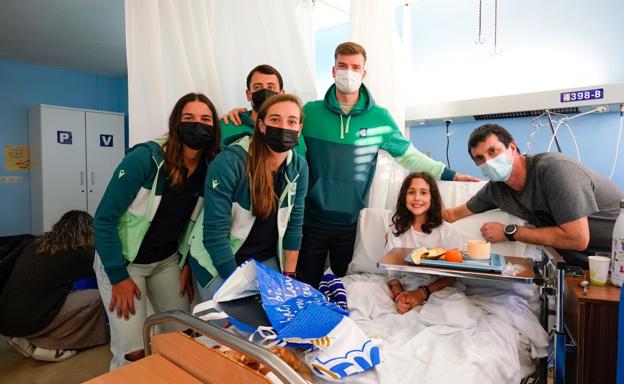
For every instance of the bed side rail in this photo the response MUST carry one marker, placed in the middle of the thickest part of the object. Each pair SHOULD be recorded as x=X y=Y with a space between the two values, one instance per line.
x=278 y=366
x=553 y=272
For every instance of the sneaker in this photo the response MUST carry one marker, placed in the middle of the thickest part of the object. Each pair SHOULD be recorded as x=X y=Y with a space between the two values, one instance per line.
x=53 y=354
x=21 y=345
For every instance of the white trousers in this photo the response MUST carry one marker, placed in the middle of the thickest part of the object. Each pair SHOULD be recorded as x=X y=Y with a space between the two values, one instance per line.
x=160 y=283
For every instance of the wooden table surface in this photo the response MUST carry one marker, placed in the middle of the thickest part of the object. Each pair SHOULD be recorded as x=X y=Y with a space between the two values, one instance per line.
x=608 y=293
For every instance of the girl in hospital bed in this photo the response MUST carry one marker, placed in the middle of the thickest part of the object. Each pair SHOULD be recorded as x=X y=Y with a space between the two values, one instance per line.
x=417 y=222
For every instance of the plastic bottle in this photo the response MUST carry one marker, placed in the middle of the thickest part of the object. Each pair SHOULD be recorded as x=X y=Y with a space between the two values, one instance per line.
x=617 y=249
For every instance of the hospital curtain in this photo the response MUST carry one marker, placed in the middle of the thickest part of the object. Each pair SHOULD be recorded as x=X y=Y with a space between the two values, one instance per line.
x=208 y=46
x=373 y=25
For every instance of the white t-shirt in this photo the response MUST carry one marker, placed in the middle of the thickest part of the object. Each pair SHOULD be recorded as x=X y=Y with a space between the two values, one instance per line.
x=443 y=236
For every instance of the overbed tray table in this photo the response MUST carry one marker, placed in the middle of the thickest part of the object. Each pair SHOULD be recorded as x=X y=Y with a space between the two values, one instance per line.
x=395 y=260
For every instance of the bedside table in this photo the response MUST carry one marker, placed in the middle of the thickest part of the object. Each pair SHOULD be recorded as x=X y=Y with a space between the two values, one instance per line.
x=592 y=322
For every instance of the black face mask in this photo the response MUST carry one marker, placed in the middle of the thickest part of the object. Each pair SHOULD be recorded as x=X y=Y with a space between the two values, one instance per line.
x=195 y=134
x=280 y=139
x=258 y=97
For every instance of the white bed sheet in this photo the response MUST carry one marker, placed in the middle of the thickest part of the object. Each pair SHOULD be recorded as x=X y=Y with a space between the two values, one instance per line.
x=476 y=332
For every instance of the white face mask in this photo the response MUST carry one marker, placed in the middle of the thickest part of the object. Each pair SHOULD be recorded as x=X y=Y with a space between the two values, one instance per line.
x=348 y=81
x=498 y=168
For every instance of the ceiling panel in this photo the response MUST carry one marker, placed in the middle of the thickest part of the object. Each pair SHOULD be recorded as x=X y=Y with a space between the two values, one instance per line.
x=79 y=35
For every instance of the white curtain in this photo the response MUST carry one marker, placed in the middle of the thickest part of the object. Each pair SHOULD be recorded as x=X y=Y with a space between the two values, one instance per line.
x=373 y=25
x=209 y=46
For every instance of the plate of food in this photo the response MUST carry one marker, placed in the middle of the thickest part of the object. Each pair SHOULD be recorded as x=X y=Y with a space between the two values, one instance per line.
x=454 y=258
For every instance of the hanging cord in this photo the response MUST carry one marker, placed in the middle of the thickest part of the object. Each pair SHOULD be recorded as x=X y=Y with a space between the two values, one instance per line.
x=448 y=141
x=617 y=146
x=578 y=153
x=536 y=124
x=564 y=121
x=496 y=27
x=480 y=39
x=554 y=131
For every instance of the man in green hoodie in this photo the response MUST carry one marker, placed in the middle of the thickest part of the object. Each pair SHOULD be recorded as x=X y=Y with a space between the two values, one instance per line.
x=263 y=82
x=343 y=134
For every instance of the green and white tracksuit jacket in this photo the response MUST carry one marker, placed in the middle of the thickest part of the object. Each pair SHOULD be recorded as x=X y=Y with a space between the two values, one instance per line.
x=227 y=218
x=342 y=154
x=229 y=132
x=128 y=207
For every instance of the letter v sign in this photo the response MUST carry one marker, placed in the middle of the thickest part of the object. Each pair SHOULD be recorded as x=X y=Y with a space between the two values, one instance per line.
x=106 y=140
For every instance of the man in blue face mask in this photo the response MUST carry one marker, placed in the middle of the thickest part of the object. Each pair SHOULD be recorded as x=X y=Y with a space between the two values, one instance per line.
x=567 y=205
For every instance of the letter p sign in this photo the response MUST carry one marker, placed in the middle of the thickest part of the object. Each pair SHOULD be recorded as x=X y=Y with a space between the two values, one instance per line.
x=64 y=137
x=106 y=140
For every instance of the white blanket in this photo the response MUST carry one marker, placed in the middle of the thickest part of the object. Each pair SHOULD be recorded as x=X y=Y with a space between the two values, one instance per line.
x=477 y=332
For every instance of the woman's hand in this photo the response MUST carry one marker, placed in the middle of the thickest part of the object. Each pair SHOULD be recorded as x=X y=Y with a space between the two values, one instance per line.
x=122 y=298
x=395 y=288
x=408 y=300
x=186 y=283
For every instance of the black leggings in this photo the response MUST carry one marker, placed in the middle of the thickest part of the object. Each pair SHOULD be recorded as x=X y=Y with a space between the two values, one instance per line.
x=316 y=244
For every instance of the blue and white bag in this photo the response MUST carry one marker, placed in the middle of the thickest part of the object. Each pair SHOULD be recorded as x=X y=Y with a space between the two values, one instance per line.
x=300 y=316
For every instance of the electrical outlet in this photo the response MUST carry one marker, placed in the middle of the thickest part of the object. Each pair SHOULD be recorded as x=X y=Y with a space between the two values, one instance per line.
x=11 y=179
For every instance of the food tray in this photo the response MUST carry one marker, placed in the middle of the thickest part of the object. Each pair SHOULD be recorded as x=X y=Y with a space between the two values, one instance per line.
x=496 y=263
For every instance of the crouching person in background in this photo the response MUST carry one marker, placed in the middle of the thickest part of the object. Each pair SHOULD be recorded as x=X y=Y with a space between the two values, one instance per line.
x=46 y=320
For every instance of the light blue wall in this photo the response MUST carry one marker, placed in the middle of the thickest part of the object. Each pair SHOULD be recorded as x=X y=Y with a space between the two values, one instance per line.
x=542 y=45
x=24 y=85
x=595 y=135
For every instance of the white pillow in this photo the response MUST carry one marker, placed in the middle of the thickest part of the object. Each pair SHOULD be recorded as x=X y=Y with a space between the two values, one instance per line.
x=373 y=225
x=386 y=183
x=469 y=228
x=455 y=193
x=370 y=240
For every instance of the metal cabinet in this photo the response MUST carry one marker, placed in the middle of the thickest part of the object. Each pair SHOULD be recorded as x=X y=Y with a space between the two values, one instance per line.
x=73 y=155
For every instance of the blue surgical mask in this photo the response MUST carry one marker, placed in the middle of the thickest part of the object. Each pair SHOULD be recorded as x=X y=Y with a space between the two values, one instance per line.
x=498 y=168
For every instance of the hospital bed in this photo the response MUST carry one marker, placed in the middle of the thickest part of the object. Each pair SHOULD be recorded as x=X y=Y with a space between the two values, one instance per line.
x=433 y=344
x=538 y=290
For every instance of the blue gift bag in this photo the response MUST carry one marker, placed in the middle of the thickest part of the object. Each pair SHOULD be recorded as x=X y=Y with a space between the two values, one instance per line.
x=299 y=315
x=283 y=298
